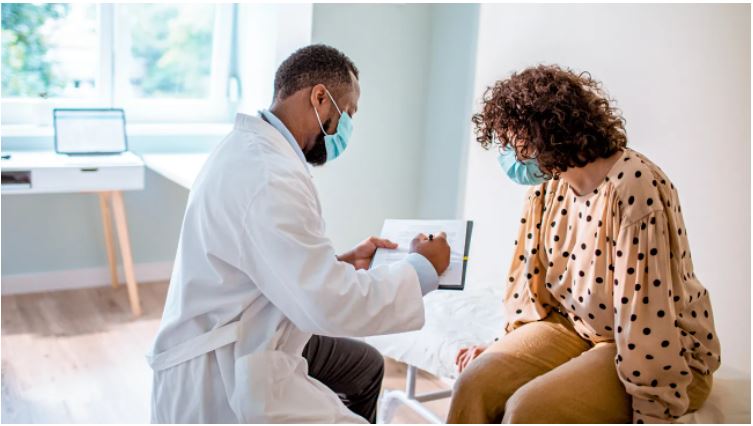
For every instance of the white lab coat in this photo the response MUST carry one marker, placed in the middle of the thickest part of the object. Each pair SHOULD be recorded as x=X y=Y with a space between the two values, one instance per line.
x=254 y=277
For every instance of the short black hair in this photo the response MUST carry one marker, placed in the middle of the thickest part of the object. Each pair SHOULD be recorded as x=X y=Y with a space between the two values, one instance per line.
x=312 y=65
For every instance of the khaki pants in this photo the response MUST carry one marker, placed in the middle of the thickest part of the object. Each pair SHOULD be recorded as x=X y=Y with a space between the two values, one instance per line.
x=543 y=372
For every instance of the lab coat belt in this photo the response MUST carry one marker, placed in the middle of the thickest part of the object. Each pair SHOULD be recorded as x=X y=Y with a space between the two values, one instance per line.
x=194 y=347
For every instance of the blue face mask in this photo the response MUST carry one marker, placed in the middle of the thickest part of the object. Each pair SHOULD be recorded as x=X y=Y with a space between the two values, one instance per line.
x=526 y=172
x=337 y=142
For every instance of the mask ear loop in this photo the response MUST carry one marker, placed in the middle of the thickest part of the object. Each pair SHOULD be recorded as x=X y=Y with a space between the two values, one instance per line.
x=333 y=102
x=320 y=122
x=321 y=126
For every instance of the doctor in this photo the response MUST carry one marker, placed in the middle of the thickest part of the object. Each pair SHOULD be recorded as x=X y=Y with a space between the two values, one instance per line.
x=259 y=303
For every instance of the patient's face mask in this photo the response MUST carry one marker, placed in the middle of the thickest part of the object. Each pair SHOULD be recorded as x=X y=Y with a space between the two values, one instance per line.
x=336 y=143
x=526 y=172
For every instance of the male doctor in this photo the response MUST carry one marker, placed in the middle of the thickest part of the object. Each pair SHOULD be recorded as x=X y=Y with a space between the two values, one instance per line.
x=259 y=303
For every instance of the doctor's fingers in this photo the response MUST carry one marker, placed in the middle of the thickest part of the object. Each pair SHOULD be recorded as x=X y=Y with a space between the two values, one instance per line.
x=442 y=235
x=383 y=243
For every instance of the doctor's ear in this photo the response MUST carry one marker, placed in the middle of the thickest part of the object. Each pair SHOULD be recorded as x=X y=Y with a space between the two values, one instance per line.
x=318 y=94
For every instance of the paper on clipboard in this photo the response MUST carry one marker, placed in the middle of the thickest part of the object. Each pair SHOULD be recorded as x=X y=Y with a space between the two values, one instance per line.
x=402 y=233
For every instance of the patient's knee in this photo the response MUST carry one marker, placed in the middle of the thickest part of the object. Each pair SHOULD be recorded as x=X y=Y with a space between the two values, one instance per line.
x=528 y=405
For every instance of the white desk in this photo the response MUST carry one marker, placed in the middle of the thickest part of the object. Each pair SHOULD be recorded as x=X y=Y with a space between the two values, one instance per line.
x=47 y=172
x=179 y=168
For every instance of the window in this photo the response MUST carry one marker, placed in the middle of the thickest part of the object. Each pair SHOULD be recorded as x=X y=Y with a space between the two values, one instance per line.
x=160 y=62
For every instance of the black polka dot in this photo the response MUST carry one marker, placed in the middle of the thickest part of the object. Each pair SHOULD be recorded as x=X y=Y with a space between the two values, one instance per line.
x=649 y=357
x=564 y=212
x=637 y=287
x=631 y=200
x=624 y=300
x=631 y=346
x=523 y=220
x=654 y=382
x=619 y=176
x=654 y=252
x=518 y=311
x=657 y=283
x=636 y=373
x=667 y=367
x=664 y=343
x=631 y=271
x=602 y=306
x=660 y=314
x=646 y=331
x=599 y=280
x=650 y=201
x=710 y=336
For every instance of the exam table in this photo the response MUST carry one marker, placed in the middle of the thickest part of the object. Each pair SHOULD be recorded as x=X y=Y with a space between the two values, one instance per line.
x=473 y=316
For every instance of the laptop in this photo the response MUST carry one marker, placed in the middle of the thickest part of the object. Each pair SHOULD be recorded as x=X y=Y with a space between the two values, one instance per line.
x=89 y=131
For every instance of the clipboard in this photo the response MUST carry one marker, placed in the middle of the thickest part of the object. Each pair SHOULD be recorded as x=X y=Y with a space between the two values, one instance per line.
x=403 y=231
x=466 y=250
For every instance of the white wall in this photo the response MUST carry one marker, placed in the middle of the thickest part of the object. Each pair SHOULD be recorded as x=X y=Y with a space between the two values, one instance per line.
x=681 y=75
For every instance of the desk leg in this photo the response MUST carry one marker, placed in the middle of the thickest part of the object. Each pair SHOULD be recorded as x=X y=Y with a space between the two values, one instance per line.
x=104 y=206
x=125 y=251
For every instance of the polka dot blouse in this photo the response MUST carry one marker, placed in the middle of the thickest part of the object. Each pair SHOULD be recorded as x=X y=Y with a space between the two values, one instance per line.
x=616 y=261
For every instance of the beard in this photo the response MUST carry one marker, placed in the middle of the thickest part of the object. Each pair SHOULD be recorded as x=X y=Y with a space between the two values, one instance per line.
x=317 y=155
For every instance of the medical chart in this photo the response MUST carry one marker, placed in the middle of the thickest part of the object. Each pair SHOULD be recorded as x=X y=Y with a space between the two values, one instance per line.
x=402 y=232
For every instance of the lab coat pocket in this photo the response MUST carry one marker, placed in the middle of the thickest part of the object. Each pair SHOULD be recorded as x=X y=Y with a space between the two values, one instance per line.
x=274 y=387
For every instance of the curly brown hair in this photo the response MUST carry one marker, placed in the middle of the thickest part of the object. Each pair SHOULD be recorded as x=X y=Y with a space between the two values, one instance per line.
x=563 y=119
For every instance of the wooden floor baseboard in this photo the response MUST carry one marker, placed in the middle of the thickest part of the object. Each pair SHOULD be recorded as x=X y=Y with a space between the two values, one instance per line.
x=80 y=278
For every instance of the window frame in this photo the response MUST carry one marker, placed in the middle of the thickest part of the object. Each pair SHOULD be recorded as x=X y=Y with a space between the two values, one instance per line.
x=217 y=107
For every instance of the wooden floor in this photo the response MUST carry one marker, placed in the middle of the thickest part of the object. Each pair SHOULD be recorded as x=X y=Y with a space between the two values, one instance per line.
x=77 y=356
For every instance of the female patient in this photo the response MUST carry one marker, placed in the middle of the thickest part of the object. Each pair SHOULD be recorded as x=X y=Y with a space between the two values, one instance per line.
x=607 y=322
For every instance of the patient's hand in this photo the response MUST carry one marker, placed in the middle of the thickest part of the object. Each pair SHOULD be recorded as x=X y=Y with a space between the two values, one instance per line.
x=361 y=256
x=466 y=355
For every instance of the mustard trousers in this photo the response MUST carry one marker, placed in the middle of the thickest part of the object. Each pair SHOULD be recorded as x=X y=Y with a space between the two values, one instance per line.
x=544 y=372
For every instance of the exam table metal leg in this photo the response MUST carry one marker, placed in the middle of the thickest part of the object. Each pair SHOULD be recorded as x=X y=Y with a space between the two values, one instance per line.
x=125 y=251
x=391 y=400
x=104 y=206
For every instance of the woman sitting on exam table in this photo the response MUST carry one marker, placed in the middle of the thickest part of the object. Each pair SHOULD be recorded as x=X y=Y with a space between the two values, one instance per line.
x=607 y=322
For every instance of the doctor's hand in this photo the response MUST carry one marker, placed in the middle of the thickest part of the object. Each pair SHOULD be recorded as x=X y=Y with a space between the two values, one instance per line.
x=360 y=257
x=466 y=355
x=436 y=250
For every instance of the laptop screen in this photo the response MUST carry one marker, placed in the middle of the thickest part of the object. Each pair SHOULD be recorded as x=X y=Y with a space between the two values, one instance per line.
x=89 y=131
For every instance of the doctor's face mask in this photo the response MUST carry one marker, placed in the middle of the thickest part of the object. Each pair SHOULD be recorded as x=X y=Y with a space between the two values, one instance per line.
x=330 y=146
